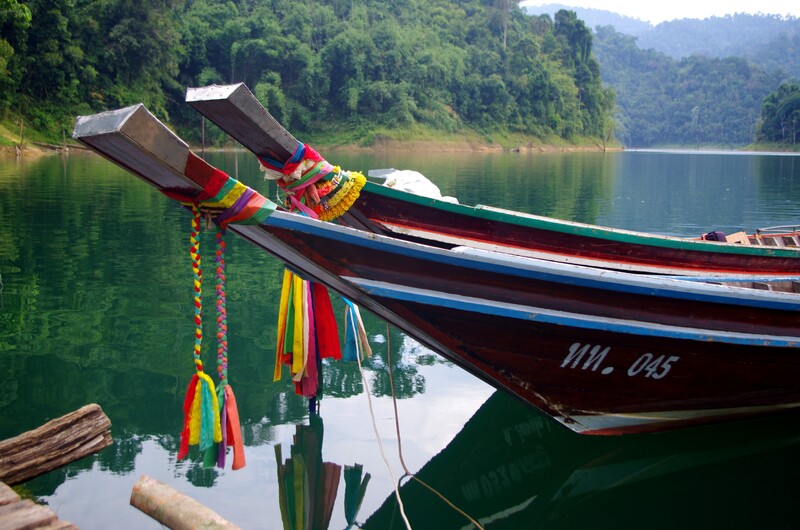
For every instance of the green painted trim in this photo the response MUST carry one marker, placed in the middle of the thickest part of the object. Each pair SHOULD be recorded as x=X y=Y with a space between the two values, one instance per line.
x=582 y=229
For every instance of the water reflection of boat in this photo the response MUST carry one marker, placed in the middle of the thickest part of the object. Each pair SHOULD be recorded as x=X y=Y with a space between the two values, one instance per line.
x=511 y=468
x=308 y=486
x=604 y=352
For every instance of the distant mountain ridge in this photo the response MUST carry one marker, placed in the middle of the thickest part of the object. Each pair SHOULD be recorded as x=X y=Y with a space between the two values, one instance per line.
x=690 y=81
x=596 y=17
x=768 y=40
x=754 y=37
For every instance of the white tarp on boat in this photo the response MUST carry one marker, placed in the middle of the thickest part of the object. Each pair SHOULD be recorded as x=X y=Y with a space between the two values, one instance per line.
x=410 y=181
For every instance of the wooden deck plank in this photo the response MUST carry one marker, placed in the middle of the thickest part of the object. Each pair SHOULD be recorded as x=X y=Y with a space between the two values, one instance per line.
x=7 y=494
x=24 y=514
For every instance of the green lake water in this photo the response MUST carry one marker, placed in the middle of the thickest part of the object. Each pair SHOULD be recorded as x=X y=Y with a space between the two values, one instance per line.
x=95 y=307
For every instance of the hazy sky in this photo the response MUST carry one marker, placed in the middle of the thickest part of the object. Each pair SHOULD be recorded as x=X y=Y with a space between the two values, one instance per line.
x=656 y=12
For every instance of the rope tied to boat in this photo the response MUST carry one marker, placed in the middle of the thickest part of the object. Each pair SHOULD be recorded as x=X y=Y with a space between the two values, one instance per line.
x=312 y=185
x=408 y=473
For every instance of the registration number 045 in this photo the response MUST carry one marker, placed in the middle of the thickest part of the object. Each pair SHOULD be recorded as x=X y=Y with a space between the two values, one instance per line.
x=595 y=358
x=651 y=366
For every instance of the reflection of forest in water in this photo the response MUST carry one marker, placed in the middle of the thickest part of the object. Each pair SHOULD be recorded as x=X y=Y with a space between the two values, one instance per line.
x=96 y=307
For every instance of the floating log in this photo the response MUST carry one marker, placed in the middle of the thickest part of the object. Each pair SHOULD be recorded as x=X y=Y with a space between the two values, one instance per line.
x=24 y=514
x=56 y=443
x=173 y=509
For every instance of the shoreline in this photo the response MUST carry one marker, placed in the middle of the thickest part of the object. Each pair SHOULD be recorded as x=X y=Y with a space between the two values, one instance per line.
x=36 y=149
x=465 y=146
x=39 y=149
x=30 y=151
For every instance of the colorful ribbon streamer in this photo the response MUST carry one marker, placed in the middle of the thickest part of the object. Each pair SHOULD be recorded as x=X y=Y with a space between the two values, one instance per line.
x=201 y=423
x=211 y=417
x=355 y=336
x=307 y=333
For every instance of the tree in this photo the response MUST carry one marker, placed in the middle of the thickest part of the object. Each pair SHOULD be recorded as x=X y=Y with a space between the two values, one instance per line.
x=15 y=19
x=780 y=115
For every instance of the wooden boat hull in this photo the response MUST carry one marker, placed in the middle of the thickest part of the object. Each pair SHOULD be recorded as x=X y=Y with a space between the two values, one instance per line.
x=635 y=371
x=603 y=352
x=404 y=215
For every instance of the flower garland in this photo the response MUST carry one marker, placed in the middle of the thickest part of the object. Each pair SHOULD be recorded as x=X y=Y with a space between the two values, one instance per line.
x=313 y=186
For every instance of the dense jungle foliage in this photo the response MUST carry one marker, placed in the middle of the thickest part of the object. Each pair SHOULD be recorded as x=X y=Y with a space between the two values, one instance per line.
x=780 y=116
x=695 y=100
x=697 y=82
x=449 y=65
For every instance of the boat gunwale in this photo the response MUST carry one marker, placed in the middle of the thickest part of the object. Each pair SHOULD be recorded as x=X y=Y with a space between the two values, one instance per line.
x=551 y=316
x=576 y=228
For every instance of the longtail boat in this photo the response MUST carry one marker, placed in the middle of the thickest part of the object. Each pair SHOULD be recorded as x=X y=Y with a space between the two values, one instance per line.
x=601 y=351
x=384 y=210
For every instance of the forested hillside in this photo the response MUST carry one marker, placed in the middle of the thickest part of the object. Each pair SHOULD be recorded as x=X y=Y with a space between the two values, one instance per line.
x=691 y=101
x=316 y=64
x=698 y=82
x=770 y=41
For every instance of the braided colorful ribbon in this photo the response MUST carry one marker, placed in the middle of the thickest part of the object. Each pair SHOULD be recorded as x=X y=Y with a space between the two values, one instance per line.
x=201 y=421
x=211 y=416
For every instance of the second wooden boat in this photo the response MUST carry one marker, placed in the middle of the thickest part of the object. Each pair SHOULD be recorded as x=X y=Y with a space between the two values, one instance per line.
x=389 y=211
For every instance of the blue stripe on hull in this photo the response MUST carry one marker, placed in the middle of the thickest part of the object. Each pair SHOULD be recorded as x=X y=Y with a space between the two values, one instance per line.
x=560 y=318
x=540 y=270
